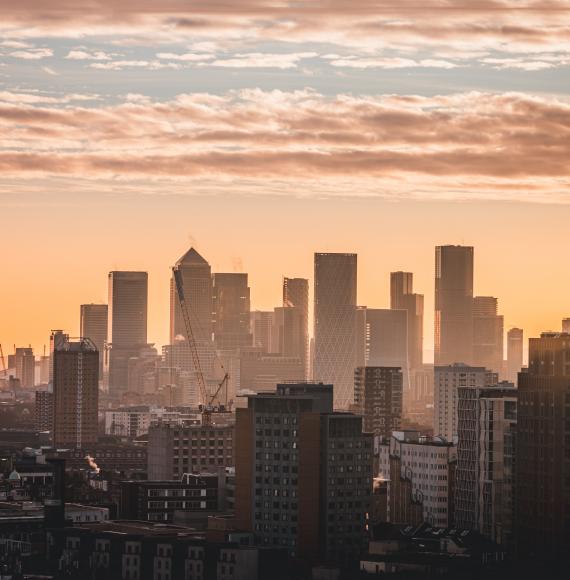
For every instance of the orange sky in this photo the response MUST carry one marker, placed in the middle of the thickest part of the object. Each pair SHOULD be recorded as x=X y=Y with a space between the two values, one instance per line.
x=57 y=253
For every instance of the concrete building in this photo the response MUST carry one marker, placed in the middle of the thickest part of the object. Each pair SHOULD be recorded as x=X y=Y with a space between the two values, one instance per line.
x=177 y=449
x=453 y=338
x=127 y=327
x=514 y=354
x=335 y=343
x=159 y=501
x=43 y=412
x=75 y=392
x=487 y=334
x=485 y=477
x=402 y=297
x=303 y=473
x=93 y=324
x=296 y=295
x=378 y=398
x=135 y=421
x=447 y=381
x=197 y=282
x=25 y=365
x=231 y=311
x=420 y=472
x=566 y=325
x=543 y=449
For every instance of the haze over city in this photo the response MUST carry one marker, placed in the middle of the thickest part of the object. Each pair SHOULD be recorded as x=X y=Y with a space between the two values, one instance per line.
x=284 y=289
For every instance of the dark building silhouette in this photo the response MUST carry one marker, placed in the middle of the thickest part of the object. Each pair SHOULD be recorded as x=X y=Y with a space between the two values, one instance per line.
x=543 y=450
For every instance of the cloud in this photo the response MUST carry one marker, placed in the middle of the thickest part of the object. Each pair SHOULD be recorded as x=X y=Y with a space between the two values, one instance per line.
x=404 y=26
x=510 y=144
x=126 y=64
x=84 y=55
x=388 y=63
x=263 y=60
x=186 y=57
x=32 y=53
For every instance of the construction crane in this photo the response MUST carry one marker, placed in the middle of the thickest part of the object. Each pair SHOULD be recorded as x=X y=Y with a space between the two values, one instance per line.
x=4 y=369
x=208 y=400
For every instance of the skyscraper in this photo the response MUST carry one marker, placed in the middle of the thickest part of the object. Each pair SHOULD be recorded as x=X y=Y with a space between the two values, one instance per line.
x=487 y=334
x=127 y=327
x=25 y=363
x=261 y=328
x=543 y=448
x=566 y=325
x=93 y=325
x=387 y=332
x=75 y=392
x=295 y=486
x=296 y=295
x=514 y=354
x=335 y=324
x=485 y=476
x=402 y=297
x=197 y=282
x=453 y=305
x=231 y=310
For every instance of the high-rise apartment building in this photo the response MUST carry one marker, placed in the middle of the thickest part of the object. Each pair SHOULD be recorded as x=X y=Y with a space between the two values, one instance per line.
x=485 y=476
x=420 y=472
x=453 y=338
x=43 y=411
x=25 y=364
x=402 y=297
x=543 y=450
x=231 y=310
x=335 y=324
x=127 y=326
x=197 y=281
x=75 y=392
x=378 y=394
x=514 y=354
x=487 y=334
x=296 y=295
x=93 y=325
x=303 y=473
x=447 y=382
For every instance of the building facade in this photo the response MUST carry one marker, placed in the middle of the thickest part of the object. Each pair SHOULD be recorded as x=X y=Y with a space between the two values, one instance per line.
x=453 y=339
x=296 y=295
x=231 y=310
x=335 y=340
x=487 y=334
x=93 y=319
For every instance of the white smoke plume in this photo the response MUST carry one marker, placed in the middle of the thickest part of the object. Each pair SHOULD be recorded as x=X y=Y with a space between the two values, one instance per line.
x=92 y=463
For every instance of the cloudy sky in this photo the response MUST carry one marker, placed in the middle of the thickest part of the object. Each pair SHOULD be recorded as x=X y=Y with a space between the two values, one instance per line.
x=262 y=131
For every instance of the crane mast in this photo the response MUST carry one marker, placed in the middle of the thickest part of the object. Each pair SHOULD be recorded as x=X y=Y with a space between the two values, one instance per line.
x=208 y=401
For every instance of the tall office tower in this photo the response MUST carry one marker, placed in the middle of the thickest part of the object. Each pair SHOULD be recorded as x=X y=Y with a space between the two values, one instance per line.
x=514 y=354
x=335 y=324
x=75 y=392
x=231 y=311
x=447 y=381
x=261 y=328
x=387 y=332
x=93 y=325
x=260 y=371
x=361 y=337
x=543 y=448
x=287 y=334
x=197 y=282
x=25 y=363
x=453 y=305
x=566 y=325
x=128 y=297
x=420 y=472
x=402 y=297
x=303 y=473
x=485 y=478
x=296 y=295
x=378 y=397
x=487 y=334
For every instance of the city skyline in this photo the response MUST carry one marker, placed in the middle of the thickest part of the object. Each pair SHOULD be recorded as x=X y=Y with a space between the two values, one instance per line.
x=376 y=283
